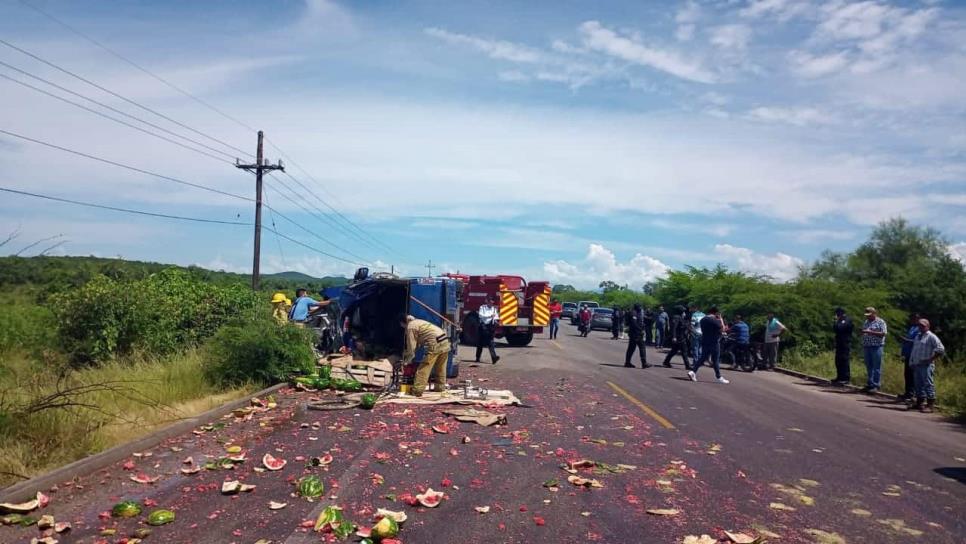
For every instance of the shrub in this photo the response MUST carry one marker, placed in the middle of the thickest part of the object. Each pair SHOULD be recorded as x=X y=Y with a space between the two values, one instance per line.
x=259 y=351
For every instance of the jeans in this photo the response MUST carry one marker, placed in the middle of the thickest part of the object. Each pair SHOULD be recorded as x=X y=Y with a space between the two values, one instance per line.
x=695 y=348
x=659 y=334
x=873 y=365
x=554 y=327
x=925 y=382
x=710 y=351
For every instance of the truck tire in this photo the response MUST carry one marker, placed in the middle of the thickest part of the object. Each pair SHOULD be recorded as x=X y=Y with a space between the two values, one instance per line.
x=519 y=339
x=470 y=334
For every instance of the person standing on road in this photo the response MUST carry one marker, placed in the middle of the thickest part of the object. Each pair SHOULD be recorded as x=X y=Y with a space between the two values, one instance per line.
x=712 y=328
x=773 y=332
x=874 y=332
x=925 y=350
x=648 y=326
x=615 y=324
x=585 y=315
x=661 y=331
x=740 y=331
x=635 y=337
x=680 y=329
x=695 y=338
x=907 y=342
x=843 y=329
x=489 y=315
x=556 y=310
x=423 y=334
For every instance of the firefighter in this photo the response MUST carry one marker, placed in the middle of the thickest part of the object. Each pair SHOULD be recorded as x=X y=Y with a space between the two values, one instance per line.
x=423 y=334
x=280 y=308
x=489 y=316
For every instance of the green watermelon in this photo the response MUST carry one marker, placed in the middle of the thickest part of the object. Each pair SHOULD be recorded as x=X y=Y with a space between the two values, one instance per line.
x=386 y=528
x=368 y=401
x=126 y=509
x=310 y=487
x=160 y=517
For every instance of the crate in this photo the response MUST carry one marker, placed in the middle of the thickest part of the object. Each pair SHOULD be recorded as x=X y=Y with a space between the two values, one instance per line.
x=372 y=373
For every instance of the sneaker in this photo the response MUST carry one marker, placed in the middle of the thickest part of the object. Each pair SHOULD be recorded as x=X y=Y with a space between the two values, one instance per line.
x=722 y=379
x=693 y=376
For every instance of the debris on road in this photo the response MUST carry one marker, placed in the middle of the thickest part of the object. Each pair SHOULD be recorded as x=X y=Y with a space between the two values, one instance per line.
x=482 y=417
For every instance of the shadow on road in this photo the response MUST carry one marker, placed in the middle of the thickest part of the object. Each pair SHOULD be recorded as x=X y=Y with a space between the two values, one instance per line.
x=955 y=473
x=615 y=365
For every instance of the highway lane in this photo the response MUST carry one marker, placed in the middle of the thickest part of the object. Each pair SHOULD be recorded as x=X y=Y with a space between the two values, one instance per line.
x=718 y=455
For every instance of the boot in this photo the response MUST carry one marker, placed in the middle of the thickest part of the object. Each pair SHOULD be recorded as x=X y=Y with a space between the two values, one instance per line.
x=919 y=405
x=928 y=408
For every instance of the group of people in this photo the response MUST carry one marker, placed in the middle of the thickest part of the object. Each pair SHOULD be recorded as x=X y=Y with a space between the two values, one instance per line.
x=285 y=310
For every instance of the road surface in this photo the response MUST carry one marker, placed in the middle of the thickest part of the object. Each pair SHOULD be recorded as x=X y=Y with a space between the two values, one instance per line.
x=766 y=455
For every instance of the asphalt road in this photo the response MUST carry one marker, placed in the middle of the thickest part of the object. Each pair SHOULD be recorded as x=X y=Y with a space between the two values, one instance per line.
x=766 y=454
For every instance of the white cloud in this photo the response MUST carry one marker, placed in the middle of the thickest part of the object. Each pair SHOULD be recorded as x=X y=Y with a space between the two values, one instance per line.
x=801 y=116
x=958 y=252
x=783 y=10
x=601 y=264
x=813 y=66
x=780 y=266
x=686 y=17
x=513 y=76
x=815 y=236
x=599 y=38
x=732 y=37
x=497 y=49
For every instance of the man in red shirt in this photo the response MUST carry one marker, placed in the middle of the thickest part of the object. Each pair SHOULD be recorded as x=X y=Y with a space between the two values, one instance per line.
x=556 y=310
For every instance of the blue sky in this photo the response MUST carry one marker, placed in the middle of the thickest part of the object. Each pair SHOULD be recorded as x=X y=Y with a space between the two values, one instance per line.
x=567 y=141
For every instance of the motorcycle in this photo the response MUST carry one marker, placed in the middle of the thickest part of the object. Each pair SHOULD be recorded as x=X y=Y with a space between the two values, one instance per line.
x=327 y=336
x=744 y=356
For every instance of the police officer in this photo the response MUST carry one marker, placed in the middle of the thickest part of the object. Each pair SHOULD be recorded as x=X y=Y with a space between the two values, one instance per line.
x=680 y=331
x=635 y=338
x=843 y=329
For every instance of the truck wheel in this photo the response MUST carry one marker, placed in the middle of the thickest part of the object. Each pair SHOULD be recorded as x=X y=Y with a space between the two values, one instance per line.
x=519 y=339
x=470 y=334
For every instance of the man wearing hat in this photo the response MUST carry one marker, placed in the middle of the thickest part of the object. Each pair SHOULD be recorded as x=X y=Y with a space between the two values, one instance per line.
x=280 y=308
x=874 y=332
x=843 y=329
x=926 y=349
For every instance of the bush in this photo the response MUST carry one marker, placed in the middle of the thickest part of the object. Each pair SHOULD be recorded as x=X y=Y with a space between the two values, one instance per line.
x=27 y=327
x=260 y=351
x=166 y=312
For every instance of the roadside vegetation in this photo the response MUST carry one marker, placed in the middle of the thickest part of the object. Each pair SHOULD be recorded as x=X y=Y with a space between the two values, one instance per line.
x=97 y=352
x=899 y=270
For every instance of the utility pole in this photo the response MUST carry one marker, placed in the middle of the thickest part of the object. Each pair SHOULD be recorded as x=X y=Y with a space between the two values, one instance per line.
x=261 y=165
x=429 y=269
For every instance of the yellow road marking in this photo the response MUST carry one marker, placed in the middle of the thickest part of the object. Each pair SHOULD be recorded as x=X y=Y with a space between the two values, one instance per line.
x=556 y=345
x=647 y=409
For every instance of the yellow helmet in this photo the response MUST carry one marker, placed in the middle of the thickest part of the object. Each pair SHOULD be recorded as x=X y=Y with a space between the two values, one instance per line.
x=288 y=301
x=278 y=297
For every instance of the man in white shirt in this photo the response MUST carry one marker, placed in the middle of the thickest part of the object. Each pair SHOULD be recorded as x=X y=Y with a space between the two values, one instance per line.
x=773 y=332
x=489 y=318
x=926 y=348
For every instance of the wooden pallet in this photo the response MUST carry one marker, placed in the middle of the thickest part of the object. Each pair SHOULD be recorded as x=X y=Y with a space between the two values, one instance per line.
x=372 y=373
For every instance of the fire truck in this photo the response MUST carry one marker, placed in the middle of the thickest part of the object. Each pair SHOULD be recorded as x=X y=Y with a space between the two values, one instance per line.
x=523 y=307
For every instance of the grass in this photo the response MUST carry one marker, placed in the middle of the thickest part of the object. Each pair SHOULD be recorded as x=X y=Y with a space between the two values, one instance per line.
x=950 y=377
x=143 y=395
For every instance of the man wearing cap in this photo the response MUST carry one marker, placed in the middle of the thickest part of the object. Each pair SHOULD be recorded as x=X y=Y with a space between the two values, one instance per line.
x=423 y=334
x=926 y=349
x=874 y=332
x=843 y=329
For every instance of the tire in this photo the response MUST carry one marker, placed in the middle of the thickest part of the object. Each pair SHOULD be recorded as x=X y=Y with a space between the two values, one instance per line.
x=470 y=334
x=519 y=339
x=749 y=362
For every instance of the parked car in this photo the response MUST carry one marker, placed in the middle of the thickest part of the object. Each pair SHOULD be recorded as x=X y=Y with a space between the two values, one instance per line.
x=575 y=318
x=602 y=319
x=569 y=309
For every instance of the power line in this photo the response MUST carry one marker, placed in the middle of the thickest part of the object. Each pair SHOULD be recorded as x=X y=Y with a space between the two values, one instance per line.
x=138 y=66
x=104 y=115
x=124 y=210
x=271 y=213
x=115 y=110
x=125 y=166
x=122 y=97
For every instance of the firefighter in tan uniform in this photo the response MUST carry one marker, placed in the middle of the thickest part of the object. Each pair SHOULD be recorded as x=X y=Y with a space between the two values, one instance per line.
x=423 y=334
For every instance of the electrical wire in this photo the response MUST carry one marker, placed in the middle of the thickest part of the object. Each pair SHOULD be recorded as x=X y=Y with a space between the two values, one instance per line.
x=120 y=96
x=106 y=116
x=124 y=210
x=126 y=166
x=278 y=241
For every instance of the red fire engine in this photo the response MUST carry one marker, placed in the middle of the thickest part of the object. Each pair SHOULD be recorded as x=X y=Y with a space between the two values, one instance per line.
x=523 y=307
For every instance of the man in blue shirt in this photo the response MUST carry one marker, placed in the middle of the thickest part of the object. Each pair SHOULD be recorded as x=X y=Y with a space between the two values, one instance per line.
x=741 y=333
x=908 y=341
x=302 y=306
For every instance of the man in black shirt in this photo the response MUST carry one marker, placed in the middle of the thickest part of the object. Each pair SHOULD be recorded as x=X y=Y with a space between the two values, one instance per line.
x=635 y=336
x=679 y=331
x=843 y=329
x=712 y=327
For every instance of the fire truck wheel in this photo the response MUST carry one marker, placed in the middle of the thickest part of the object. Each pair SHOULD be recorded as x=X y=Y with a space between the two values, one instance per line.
x=471 y=330
x=519 y=339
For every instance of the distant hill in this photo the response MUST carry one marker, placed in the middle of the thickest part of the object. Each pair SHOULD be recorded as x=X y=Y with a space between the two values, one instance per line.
x=58 y=273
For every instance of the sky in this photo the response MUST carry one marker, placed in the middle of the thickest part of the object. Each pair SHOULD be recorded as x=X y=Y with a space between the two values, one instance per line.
x=570 y=141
